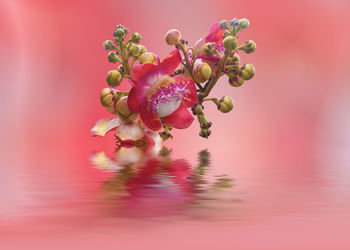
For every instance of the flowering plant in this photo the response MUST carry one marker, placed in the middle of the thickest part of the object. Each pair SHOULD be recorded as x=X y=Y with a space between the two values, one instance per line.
x=163 y=91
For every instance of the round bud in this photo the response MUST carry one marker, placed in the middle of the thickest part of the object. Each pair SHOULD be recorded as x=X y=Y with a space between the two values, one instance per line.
x=116 y=40
x=225 y=104
x=224 y=25
x=143 y=49
x=234 y=22
x=248 y=47
x=233 y=60
x=235 y=80
x=114 y=78
x=148 y=57
x=108 y=45
x=201 y=71
x=123 y=110
x=172 y=37
x=112 y=57
x=248 y=71
x=134 y=50
x=135 y=37
x=119 y=33
x=107 y=97
x=243 y=23
x=230 y=43
x=208 y=49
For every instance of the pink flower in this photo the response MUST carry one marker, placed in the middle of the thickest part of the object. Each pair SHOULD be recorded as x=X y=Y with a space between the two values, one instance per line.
x=214 y=36
x=156 y=95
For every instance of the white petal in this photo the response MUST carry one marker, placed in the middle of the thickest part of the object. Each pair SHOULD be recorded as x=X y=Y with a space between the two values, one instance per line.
x=104 y=125
x=167 y=108
x=130 y=131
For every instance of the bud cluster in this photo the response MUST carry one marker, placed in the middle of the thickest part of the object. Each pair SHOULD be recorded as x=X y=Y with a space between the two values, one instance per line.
x=237 y=74
x=122 y=50
x=235 y=25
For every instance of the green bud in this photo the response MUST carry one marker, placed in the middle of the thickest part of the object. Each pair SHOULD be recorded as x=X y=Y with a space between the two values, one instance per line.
x=148 y=57
x=234 y=22
x=201 y=71
x=117 y=40
x=123 y=110
x=134 y=50
x=235 y=80
x=108 y=45
x=143 y=49
x=225 y=104
x=248 y=47
x=112 y=57
x=208 y=49
x=114 y=78
x=224 y=25
x=230 y=43
x=119 y=33
x=120 y=26
x=126 y=31
x=135 y=37
x=248 y=71
x=172 y=37
x=233 y=60
x=107 y=97
x=243 y=23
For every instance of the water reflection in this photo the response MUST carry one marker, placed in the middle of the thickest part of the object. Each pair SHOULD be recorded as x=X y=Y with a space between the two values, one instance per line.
x=145 y=181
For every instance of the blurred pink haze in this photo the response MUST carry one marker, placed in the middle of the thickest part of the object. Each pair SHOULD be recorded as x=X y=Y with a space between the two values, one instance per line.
x=286 y=143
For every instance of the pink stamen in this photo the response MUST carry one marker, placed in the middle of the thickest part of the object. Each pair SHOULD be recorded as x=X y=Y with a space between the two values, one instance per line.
x=172 y=92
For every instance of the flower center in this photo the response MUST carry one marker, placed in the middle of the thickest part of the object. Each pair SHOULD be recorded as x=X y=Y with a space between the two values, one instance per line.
x=166 y=95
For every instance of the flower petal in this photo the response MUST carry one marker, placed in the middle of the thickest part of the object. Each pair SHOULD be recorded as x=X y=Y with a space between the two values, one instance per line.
x=167 y=108
x=180 y=119
x=191 y=97
x=130 y=131
x=138 y=72
x=198 y=47
x=105 y=125
x=170 y=63
x=211 y=60
x=215 y=34
x=150 y=119
x=136 y=96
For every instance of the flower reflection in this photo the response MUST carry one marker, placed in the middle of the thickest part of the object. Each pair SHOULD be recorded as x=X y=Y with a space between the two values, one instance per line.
x=148 y=182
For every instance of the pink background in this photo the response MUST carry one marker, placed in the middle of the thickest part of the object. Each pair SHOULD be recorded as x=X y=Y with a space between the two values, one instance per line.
x=287 y=142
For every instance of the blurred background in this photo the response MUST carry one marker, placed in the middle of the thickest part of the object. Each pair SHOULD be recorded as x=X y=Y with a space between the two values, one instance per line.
x=286 y=143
